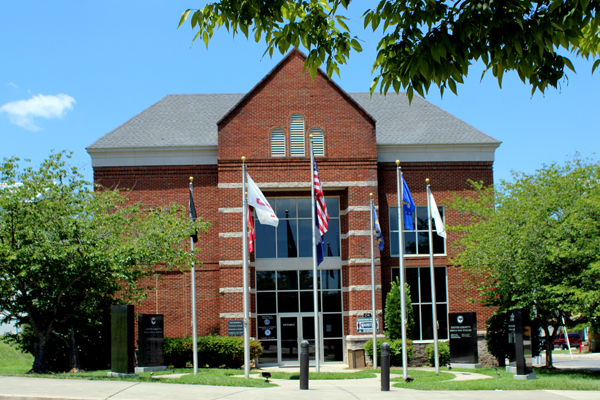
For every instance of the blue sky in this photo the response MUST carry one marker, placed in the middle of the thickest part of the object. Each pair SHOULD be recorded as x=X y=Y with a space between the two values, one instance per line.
x=76 y=70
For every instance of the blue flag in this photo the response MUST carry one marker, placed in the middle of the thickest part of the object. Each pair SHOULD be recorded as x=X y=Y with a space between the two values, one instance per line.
x=409 y=206
x=319 y=240
x=378 y=234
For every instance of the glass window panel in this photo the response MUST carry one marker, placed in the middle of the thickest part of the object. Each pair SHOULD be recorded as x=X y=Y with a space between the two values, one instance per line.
x=265 y=303
x=331 y=279
x=412 y=278
x=332 y=325
x=332 y=239
x=265 y=280
x=288 y=301
x=286 y=239
x=395 y=274
x=416 y=335
x=305 y=237
x=333 y=206
x=265 y=240
x=422 y=224
x=440 y=285
x=394 y=243
x=410 y=242
x=287 y=280
x=426 y=322
x=286 y=208
x=442 y=315
x=438 y=244
x=304 y=210
x=423 y=242
x=306 y=280
x=393 y=219
x=332 y=301
x=333 y=350
x=307 y=302
x=308 y=328
x=269 y=351
x=425 y=285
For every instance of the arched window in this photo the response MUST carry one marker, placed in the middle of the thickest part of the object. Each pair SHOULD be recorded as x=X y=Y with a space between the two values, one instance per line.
x=318 y=142
x=297 y=136
x=277 y=143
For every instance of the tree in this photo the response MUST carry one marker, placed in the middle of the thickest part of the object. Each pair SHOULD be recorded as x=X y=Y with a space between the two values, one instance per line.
x=66 y=250
x=393 y=313
x=535 y=243
x=423 y=41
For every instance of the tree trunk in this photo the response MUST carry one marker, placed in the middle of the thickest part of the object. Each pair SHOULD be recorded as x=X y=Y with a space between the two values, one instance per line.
x=73 y=353
x=39 y=348
x=549 y=346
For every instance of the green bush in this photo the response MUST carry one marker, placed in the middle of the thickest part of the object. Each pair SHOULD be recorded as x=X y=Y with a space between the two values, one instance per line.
x=393 y=317
x=395 y=351
x=213 y=351
x=497 y=337
x=444 y=353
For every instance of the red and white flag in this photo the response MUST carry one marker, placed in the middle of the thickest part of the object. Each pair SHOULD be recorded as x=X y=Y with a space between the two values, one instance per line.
x=251 y=233
x=256 y=199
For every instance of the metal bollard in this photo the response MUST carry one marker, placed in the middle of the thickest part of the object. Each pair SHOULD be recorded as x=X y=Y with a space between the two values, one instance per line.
x=304 y=365
x=385 y=367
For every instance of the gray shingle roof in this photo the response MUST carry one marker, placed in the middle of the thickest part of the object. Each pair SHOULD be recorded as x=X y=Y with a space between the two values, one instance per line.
x=191 y=120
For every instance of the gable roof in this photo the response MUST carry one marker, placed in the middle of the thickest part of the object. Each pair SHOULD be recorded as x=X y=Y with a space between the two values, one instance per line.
x=190 y=120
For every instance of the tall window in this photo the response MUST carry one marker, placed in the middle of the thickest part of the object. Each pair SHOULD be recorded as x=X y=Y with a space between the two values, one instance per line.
x=297 y=136
x=277 y=143
x=419 y=280
x=416 y=242
x=293 y=237
x=318 y=142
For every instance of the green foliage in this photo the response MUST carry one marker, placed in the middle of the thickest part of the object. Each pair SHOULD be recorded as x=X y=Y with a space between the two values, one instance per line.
x=213 y=351
x=423 y=42
x=497 y=337
x=66 y=251
x=393 y=312
x=12 y=358
x=395 y=350
x=443 y=353
x=535 y=242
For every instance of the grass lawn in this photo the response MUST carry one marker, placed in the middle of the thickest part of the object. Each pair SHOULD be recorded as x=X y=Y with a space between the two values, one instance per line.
x=13 y=361
x=546 y=380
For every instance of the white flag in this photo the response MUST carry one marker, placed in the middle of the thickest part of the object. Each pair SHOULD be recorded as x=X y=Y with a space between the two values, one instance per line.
x=256 y=199
x=435 y=213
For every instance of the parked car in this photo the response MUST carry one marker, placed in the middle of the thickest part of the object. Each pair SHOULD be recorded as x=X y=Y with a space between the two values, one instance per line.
x=574 y=341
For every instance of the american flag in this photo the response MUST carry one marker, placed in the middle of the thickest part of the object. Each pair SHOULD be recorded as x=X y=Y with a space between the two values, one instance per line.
x=322 y=216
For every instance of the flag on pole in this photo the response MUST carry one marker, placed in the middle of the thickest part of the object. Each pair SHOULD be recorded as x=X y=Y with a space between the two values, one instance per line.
x=409 y=206
x=322 y=217
x=251 y=233
x=256 y=199
x=435 y=213
x=193 y=215
x=378 y=234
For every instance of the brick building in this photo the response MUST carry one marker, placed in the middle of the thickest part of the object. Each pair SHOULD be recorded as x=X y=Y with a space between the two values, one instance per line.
x=358 y=138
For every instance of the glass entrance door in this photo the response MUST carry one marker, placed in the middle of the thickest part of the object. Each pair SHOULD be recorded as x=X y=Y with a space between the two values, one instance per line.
x=293 y=330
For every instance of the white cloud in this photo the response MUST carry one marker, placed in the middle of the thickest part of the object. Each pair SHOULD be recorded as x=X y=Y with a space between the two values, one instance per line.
x=24 y=112
x=12 y=84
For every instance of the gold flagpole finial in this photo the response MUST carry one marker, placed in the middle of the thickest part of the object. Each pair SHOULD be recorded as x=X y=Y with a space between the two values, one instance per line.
x=191 y=178
x=427 y=181
x=371 y=195
x=398 y=162
x=310 y=136
x=243 y=159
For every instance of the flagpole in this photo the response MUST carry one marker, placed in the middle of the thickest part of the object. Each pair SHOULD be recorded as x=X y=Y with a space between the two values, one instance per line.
x=314 y=248
x=373 y=306
x=194 y=322
x=245 y=272
x=402 y=284
x=432 y=273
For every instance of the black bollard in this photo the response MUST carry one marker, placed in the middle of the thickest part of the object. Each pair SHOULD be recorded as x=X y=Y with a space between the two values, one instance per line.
x=385 y=367
x=304 y=366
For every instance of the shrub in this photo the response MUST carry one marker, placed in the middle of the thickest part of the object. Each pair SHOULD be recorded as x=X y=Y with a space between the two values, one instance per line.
x=395 y=350
x=213 y=351
x=393 y=314
x=497 y=337
x=444 y=353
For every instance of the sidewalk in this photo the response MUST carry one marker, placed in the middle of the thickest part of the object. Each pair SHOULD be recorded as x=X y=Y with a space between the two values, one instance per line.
x=18 y=388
